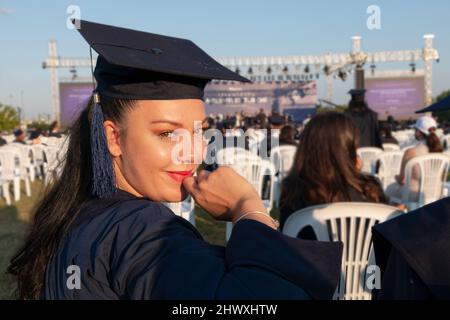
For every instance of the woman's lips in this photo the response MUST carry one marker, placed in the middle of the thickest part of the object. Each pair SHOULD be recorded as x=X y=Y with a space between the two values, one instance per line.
x=179 y=176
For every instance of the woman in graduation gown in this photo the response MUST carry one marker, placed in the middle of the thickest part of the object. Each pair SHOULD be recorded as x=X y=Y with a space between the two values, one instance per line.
x=101 y=230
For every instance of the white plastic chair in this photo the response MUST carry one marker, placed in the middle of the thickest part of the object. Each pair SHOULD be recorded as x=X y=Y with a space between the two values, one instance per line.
x=445 y=140
x=254 y=169
x=368 y=156
x=12 y=172
x=51 y=165
x=184 y=209
x=351 y=223
x=27 y=160
x=5 y=178
x=54 y=142
x=282 y=158
x=431 y=173
x=39 y=159
x=389 y=166
x=9 y=138
x=391 y=147
x=229 y=156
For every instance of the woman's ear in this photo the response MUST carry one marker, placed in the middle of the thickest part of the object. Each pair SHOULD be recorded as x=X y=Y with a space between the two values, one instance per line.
x=112 y=134
x=359 y=163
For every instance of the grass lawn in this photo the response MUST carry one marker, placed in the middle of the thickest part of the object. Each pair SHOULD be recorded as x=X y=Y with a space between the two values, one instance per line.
x=13 y=227
x=14 y=222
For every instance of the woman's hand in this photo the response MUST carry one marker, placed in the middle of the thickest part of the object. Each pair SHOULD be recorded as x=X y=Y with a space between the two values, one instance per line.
x=224 y=194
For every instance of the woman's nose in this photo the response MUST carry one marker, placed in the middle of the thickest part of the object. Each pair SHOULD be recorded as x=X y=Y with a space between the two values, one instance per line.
x=192 y=151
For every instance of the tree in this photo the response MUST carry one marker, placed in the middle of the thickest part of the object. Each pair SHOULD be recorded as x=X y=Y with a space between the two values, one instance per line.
x=9 y=118
x=443 y=116
x=339 y=108
x=41 y=125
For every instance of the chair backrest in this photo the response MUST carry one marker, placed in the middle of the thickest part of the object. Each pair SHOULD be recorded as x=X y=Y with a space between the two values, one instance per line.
x=9 y=138
x=38 y=150
x=282 y=158
x=351 y=223
x=228 y=156
x=390 y=147
x=445 y=140
x=184 y=209
x=368 y=156
x=54 y=142
x=52 y=158
x=253 y=169
x=11 y=163
x=424 y=179
x=389 y=166
x=26 y=153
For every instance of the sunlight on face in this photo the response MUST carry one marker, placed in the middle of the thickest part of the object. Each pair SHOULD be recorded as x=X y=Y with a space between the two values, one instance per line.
x=145 y=166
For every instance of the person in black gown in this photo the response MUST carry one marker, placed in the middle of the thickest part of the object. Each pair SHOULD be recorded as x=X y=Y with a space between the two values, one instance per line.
x=102 y=231
x=412 y=252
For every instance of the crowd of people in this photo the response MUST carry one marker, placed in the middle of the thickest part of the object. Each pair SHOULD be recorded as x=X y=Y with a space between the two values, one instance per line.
x=33 y=135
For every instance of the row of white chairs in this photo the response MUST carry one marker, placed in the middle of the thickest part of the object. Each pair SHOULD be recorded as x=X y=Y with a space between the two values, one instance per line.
x=431 y=168
x=24 y=163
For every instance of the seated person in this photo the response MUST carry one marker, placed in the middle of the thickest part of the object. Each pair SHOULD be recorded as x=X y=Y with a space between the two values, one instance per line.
x=54 y=131
x=327 y=169
x=35 y=135
x=287 y=136
x=386 y=135
x=425 y=128
x=20 y=136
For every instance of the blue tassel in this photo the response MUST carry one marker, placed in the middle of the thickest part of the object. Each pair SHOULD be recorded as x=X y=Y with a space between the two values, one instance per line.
x=103 y=172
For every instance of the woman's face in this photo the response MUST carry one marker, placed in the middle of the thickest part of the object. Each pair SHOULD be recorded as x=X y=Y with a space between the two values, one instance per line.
x=418 y=135
x=142 y=147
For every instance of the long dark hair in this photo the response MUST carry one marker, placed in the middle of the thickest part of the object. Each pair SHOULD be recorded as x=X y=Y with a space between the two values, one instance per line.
x=432 y=141
x=325 y=168
x=60 y=204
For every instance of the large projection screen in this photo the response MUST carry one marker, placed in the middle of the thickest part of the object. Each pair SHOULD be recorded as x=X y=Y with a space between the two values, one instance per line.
x=73 y=97
x=228 y=98
x=397 y=96
x=294 y=98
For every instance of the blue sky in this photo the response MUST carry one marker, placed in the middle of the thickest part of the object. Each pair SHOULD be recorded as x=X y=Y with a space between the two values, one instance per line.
x=222 y=28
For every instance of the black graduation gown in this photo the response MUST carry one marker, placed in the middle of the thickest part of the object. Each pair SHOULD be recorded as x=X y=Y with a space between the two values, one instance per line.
x=367 y=122
x=132 y=248
x=413 y=253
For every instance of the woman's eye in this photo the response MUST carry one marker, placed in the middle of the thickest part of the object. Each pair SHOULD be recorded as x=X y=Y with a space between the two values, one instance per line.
x=167 y=135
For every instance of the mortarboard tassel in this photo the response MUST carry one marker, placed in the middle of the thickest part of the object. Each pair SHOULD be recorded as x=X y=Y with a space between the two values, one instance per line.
x=102 y=167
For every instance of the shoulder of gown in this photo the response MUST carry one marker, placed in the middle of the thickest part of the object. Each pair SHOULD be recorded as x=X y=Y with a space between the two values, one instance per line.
x=139 y=249
x=419 y=240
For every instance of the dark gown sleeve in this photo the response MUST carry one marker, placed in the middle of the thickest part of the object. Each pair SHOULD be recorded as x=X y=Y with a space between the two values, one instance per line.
x=412 y=252
x=401 y=282
x=151 y=253
x=173 y=262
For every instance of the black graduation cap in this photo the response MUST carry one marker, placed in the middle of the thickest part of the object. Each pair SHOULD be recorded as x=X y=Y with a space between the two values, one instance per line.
x=141 y=66
x=441 y=105
x=357 y=92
